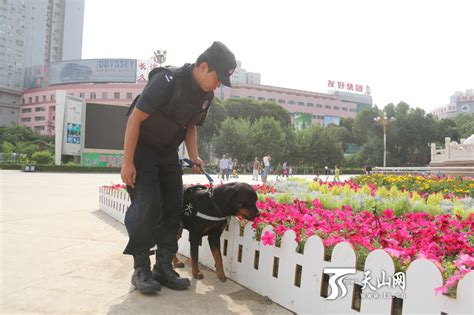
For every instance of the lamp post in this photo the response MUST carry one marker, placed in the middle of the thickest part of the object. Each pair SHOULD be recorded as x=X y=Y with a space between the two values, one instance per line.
x=159 y=56
x=384 y=121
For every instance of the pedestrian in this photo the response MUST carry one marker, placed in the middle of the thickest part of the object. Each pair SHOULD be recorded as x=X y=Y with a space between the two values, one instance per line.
x=172 y=104
x=224 y=165
x=284 y=169
x=337 y=171
x=266 y=167
x=256 y=169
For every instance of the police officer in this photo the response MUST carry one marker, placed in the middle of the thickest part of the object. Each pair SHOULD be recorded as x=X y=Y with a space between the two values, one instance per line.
x=173 y=103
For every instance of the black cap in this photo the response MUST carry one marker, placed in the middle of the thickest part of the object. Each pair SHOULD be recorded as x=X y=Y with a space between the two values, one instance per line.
x=222 y=60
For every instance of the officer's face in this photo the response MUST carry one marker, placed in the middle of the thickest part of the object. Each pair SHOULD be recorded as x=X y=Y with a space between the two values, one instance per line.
x=208 y=80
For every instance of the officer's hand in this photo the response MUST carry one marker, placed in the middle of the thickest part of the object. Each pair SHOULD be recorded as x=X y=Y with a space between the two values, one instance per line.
x=129 y=174
x=198 y=165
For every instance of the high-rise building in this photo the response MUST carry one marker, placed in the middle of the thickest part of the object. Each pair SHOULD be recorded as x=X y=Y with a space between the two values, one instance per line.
x=459 y=103
x=241 y=76
x=34 y=32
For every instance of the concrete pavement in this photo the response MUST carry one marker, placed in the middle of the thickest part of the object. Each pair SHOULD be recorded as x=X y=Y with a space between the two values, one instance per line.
x=60 y=254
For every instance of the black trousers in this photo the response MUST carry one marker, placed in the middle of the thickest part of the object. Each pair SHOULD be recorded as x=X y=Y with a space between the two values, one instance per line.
x=157 y=201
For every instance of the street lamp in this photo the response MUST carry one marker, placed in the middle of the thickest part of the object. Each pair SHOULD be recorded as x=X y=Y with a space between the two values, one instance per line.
x=159 y=56
x=384 y=121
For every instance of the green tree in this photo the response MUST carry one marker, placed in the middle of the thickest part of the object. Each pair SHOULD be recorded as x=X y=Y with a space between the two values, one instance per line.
x=268 y=136
x=447 y=128
x=233 y=139
x=465 y=124
x=252 y=110
x=42 y=157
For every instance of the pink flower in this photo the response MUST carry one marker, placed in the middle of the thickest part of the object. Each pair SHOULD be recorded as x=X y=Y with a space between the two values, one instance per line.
x=268 y=238
x=441 y=289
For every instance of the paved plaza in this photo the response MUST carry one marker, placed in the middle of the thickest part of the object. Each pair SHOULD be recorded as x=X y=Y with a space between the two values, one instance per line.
x=60 y=254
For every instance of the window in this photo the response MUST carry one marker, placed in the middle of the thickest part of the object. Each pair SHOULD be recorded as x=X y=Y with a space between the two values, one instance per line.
x=261 y=98
x=301 y=103
x=344 y=109
x=40 y=109
x=319 y=106
x=81 y=94
x=37 y=99
x=71 y=94
x=271 y=99
x=291 y=102
x=93 y=96
x=39 y=127
x=310 y=105
x=327 y=106
x=319 y=117
x=337 y=108
x=117 y=95
x=52 y=97
x=44 y=98
x=52 y=108
x=30 y=100
x=23 y=100
x=25 y=110
x=354 y=110
x=40 y=118
x=104 y=95
x=281 y=101
x=130 y=96
x=26 y=119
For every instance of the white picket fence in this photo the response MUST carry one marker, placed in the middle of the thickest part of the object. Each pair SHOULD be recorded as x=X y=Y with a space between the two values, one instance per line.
x=297 y=281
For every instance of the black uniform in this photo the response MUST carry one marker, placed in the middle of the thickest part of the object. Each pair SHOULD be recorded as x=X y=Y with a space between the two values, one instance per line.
x=173 y=100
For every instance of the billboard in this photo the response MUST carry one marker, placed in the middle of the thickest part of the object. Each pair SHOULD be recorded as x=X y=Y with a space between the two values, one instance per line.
x=93 y=71
x=302 y=120
x=105 y=126
x=69 y=125
x=102 y=159
x=331 y=120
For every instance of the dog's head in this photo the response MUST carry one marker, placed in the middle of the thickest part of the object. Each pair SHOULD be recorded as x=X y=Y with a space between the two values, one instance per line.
x=238 y=199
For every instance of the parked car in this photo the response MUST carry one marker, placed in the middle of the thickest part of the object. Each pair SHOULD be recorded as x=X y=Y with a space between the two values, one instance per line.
x=74 y=71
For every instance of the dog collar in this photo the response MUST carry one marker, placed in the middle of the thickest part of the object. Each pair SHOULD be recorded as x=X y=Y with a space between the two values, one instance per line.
x=208 y=217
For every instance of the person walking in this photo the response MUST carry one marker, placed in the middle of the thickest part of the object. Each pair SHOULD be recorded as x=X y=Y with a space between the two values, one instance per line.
x=266 y=167
x=256 y=169
x=337 y=171
x=172 y=104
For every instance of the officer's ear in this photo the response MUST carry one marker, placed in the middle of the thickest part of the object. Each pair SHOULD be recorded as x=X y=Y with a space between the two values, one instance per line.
x=203 y=67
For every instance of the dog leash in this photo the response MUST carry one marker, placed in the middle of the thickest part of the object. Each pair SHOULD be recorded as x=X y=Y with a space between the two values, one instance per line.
x=210 y=191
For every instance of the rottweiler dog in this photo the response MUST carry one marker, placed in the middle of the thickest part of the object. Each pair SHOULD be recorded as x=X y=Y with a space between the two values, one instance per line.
x=206 y=211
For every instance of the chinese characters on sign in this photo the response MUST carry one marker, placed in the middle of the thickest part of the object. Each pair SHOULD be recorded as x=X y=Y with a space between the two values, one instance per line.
x=348 y=87
x=143 y=68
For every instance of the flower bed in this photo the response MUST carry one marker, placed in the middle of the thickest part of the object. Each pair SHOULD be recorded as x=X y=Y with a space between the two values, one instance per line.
x=460 y=186
x=308 y=237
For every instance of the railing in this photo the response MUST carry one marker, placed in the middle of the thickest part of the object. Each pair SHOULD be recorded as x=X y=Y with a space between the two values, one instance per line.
x=446 y=170
x=301 y=282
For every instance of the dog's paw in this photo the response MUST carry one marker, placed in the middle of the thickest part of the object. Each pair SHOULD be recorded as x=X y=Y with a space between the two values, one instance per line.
x=179 y=265
x=221 y=277
x=199 y=276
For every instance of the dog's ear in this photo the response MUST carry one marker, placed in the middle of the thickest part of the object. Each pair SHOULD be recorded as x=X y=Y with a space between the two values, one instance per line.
x=224 y=196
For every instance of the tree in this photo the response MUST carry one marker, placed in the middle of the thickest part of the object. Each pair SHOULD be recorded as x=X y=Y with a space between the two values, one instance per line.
x=252 y=110
x=233 y=139
x=465 y=124
x=268 y=136
x=42 y=157
x=447 y=128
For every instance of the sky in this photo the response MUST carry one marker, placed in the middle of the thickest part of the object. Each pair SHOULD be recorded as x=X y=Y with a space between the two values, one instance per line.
x=419 y=52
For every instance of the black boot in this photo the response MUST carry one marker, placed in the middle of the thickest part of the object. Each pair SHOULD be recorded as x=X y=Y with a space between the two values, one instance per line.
x=142 y=278
x=164 y=273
